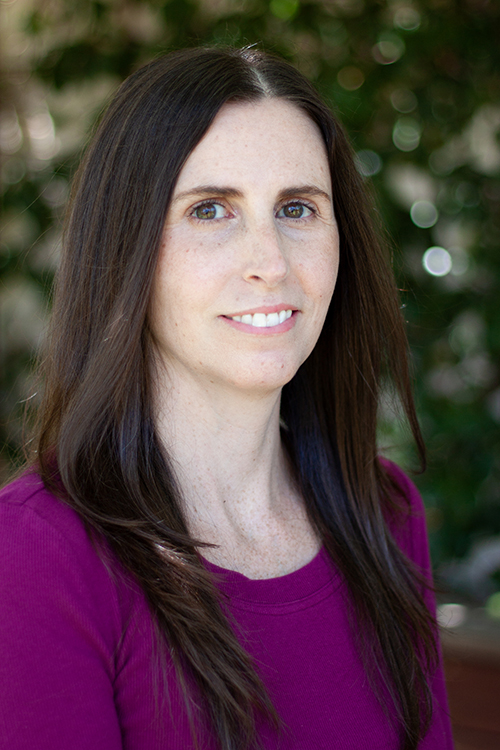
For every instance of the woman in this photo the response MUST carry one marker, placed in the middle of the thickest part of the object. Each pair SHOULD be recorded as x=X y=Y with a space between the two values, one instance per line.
x=207 y=551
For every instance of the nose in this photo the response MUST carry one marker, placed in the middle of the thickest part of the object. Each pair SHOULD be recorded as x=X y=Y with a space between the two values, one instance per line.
x=266 y=262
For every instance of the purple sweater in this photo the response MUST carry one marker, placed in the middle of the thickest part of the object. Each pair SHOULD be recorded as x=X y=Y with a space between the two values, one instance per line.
x=77 y=646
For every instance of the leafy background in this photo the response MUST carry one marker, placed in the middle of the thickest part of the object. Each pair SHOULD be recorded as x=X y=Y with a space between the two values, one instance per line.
x=417 y=85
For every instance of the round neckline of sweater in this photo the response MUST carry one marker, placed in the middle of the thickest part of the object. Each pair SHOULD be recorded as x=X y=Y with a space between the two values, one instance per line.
x=299 y=589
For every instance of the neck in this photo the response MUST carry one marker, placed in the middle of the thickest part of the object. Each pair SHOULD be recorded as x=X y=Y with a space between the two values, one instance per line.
x=226 y=449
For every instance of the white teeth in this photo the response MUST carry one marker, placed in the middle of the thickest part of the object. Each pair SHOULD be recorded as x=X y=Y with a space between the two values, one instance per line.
x=272 y=319
x=261 y=320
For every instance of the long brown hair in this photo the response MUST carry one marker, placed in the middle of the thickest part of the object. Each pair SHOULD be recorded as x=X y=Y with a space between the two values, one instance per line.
x=97 y=425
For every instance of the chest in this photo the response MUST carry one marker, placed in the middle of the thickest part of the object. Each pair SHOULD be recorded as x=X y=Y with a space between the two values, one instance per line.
x=283 y=550
x=298 y=635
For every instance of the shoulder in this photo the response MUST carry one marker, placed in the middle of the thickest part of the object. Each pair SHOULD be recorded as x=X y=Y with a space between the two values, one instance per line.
x=47 y=555
x=407 y=520
x=34 y=520
x=27 y=503
x=71 y=625
x=406 y=488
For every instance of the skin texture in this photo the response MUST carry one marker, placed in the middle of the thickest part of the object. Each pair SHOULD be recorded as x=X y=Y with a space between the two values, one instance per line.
x=251 y=228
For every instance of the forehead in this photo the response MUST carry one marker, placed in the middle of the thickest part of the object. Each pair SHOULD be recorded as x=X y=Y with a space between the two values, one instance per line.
x=269 y=139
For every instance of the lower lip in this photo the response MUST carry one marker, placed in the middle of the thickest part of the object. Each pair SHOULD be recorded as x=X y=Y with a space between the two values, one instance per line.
x=280 y=328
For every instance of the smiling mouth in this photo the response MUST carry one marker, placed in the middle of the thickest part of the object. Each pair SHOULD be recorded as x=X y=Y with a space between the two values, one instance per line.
x=261 y=320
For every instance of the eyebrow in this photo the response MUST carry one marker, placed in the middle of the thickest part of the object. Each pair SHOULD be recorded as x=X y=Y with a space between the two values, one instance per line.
x=229 y=192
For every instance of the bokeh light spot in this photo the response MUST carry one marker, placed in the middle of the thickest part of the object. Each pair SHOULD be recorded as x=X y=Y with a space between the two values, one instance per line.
x=406 y=134
x=350 y=78
x=407 y=18
x=388 y=49
x=424 y=214
x=404 y=100
x=11 y=136
x=368 y=163
x=437 y=261
x=451 y=615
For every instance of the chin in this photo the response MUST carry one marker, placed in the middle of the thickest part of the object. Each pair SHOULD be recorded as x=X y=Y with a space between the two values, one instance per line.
x=264 y=379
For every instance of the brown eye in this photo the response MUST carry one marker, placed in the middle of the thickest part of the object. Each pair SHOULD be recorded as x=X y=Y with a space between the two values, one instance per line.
x=294 y=211
x=208 y=211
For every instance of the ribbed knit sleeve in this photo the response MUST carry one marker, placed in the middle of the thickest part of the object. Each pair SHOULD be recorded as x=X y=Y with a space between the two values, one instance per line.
x=59 y=622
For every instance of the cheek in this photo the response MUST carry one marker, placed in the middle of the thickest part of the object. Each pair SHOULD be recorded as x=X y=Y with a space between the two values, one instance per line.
x=164 y=310
x=322 y=274
x=190 y=266
x=176 y=279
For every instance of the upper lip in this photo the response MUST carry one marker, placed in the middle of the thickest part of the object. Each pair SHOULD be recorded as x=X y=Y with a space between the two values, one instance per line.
x=266 y=309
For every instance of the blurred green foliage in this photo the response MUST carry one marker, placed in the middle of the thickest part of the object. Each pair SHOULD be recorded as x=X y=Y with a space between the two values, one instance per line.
x=417 y=85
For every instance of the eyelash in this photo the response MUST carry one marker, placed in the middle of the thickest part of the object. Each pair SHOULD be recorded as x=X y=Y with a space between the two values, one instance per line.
x=201 y=205
x=218 y=203
x=299 y=203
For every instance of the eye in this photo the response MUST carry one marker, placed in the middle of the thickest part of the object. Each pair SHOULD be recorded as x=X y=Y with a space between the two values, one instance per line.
x=208 y=211
x=295 y=210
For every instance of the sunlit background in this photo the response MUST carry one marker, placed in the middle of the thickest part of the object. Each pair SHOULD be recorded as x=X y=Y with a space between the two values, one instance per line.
x=418 y=86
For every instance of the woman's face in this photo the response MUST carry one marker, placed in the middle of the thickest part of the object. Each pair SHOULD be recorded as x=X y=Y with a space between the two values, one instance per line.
x=250 y=251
